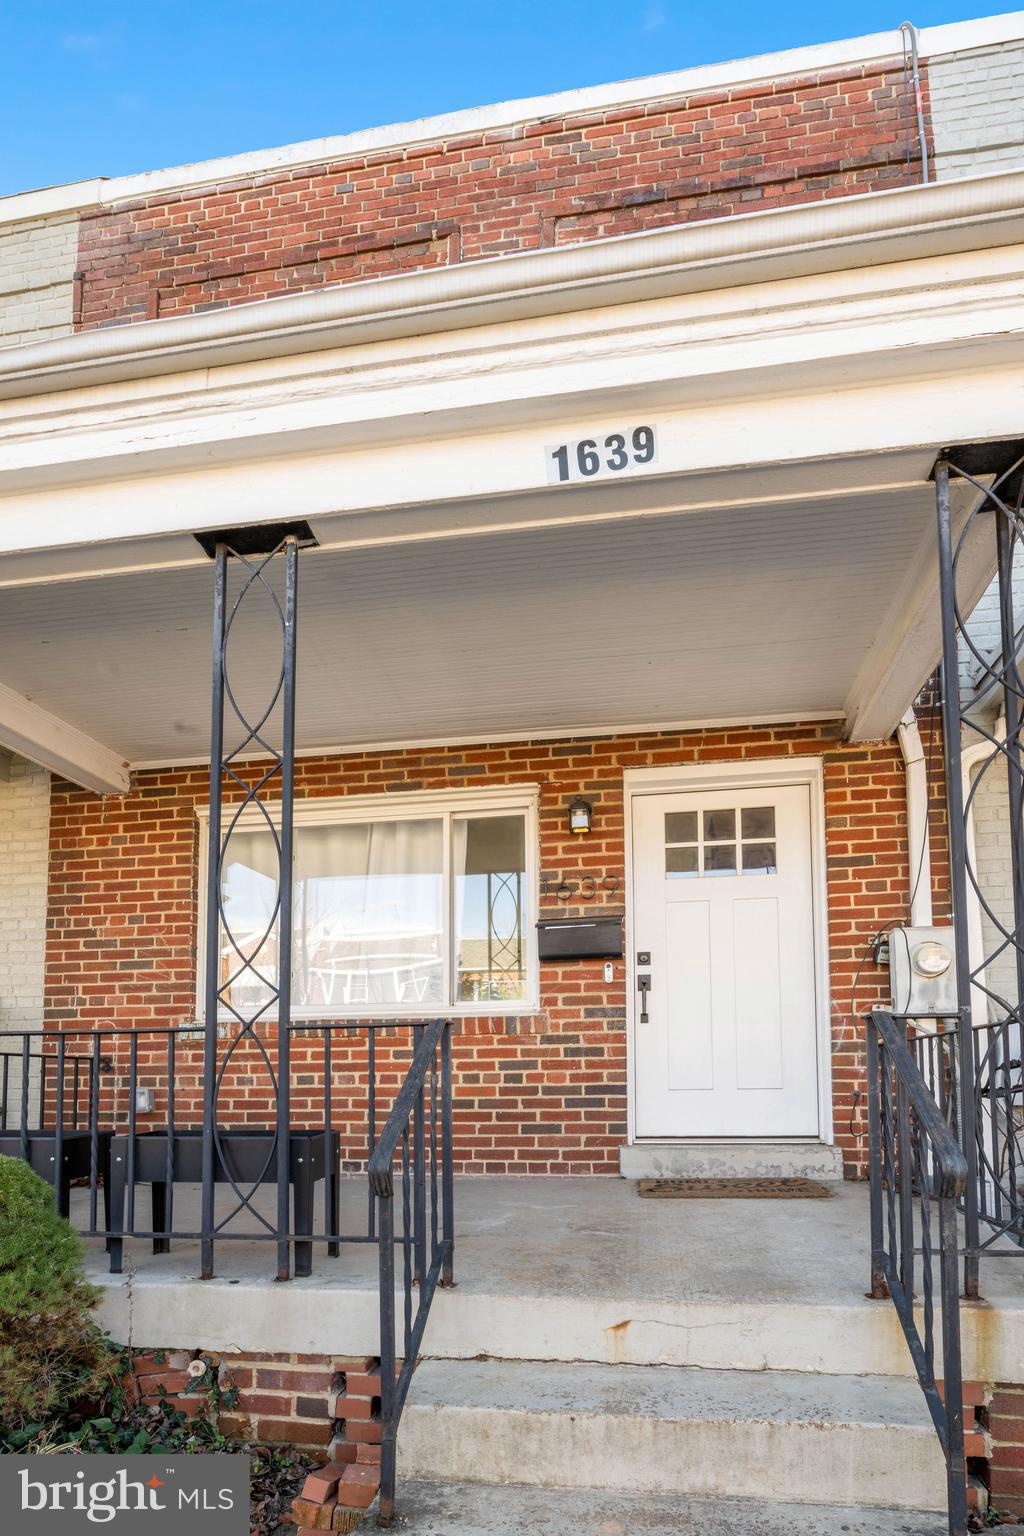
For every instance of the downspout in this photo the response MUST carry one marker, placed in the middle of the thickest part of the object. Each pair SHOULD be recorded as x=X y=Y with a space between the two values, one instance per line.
x=909 y=32
x=979 y=752
x=917 y=821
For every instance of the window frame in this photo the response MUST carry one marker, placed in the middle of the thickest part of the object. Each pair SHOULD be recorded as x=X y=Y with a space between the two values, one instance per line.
x=417 y=805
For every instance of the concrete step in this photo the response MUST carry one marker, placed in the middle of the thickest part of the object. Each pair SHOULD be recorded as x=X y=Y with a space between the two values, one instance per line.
x=787 y=1436
x=472 y=1509
x=732 y=1160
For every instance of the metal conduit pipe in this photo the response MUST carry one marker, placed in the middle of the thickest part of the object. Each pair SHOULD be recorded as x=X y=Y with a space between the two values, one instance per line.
x=909 y=33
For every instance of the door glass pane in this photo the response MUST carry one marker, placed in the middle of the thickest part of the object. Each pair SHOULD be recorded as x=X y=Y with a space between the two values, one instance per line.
x=681 y=861
x=719 y=825
x=680 y=826
x=759 y=858
x=720 y=858
x=758 y=821
x=489 y=873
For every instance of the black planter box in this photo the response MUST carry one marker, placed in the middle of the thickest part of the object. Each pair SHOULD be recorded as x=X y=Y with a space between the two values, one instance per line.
x=76 y=1160
x=245 y=1157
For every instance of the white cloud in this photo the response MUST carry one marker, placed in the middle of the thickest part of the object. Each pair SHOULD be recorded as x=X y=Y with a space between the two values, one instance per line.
x=84 y=42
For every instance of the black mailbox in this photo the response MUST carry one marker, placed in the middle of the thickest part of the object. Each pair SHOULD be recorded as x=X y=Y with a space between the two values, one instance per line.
x=580 y=938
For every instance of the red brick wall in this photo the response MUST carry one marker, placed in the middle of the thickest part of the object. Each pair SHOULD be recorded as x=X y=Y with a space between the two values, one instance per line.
x=538 y=184
x=1006 y=1467
x=542 y=1094
x=256 y=1397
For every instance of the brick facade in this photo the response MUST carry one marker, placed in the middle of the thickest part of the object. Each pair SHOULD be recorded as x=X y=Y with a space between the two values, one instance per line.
x=538 y=1094
x=1006 y=1431
x=540 y=183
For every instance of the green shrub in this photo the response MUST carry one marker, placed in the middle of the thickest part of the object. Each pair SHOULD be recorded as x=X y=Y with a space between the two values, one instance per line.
x=52 y=1355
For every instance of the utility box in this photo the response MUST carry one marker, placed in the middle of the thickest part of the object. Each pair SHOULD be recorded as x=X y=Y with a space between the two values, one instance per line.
x=922 y=972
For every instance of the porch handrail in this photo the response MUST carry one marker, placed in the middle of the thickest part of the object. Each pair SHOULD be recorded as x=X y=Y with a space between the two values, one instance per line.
x=915 y=1157
x=427 y=1199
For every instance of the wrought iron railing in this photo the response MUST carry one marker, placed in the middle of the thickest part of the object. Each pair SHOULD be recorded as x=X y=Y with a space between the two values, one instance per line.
x=980 y=527
x=418 y=1138
x=918 y=1176
x=70 y=1104
x=33 y=1080
x=998 y=1094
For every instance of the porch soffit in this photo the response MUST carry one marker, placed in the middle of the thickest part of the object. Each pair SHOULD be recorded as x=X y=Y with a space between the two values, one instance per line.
x=770 y=611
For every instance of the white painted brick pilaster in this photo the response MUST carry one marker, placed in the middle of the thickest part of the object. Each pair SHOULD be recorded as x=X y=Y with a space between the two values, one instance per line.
x=24 y=858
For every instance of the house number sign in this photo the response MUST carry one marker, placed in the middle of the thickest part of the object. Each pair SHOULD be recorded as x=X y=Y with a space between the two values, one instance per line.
x=600 y=458
x=564 y=888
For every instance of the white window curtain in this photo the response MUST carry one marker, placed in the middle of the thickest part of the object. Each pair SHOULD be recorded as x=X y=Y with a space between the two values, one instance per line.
x=369 y=924
x=376 y=927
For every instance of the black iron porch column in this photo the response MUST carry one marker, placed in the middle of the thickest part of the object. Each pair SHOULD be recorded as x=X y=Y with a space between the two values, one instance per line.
x=994 y=472
x=259 y=767
x=951 y=733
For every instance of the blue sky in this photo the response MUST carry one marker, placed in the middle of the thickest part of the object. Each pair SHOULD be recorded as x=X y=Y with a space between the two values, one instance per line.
x=107 y=89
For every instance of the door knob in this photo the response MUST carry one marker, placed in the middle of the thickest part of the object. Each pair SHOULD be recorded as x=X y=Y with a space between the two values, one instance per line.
x=643 y=982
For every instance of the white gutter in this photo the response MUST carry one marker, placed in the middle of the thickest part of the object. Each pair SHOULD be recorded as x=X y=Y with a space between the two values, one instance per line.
x=917 y=821
x=868 y=229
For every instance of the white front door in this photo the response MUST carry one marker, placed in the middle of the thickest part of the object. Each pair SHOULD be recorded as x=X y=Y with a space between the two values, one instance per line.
x=724 y=934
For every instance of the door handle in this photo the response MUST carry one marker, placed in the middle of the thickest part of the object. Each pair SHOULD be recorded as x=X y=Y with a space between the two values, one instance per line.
x=643 y=982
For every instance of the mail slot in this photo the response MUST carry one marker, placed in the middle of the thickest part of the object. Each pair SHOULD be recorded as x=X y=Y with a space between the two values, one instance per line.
x=580 y=938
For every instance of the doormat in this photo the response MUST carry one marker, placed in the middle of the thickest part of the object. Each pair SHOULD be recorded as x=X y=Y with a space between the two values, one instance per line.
x=733 y=1189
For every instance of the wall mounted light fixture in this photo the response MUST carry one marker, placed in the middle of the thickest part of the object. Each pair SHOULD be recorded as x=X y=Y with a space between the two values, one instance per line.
x=580 y=812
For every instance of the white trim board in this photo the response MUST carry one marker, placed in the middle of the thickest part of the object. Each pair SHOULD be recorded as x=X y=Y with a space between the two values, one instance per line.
x=765 y=773
x=954 y=37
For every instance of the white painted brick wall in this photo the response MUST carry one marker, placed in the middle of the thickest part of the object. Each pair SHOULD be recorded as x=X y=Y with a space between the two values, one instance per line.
x=24 y=853
x=977 y=104
x=37 y=268
x=990 y=806
x=992 y=866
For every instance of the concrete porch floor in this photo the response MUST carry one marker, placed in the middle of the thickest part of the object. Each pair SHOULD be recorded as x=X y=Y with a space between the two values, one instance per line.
x=607 y=1277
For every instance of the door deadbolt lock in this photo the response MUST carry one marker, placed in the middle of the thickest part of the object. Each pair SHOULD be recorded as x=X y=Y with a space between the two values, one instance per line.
x=643 y=957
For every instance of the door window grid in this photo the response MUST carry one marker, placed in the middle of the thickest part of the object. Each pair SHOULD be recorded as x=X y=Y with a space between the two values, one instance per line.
x=707 y=842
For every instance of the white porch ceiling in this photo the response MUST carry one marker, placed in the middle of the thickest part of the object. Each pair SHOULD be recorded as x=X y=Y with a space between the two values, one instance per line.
x=754 y=611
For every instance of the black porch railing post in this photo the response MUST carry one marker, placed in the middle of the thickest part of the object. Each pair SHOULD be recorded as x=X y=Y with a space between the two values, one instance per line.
x=419 y=1153
x=879 y=1289
x=918 y=1156
x=284 y=931
x=388 y=1384
x=956 y=1465
x=1007 y=540
x=213 y=861
x=951 y=729
x=447 y=1170
x=26 y=1068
